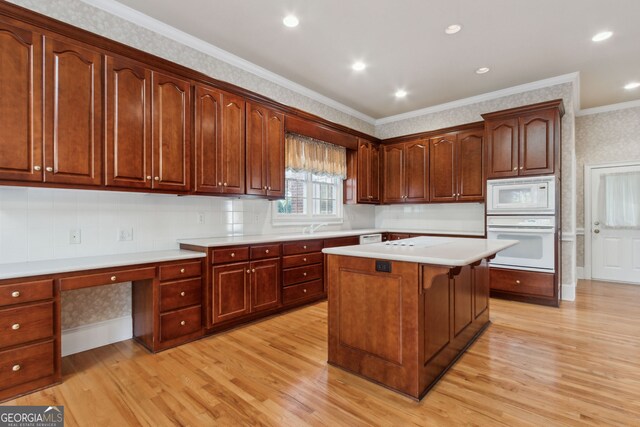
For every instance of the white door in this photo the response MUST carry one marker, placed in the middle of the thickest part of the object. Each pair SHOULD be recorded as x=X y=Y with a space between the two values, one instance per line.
x=615 y=223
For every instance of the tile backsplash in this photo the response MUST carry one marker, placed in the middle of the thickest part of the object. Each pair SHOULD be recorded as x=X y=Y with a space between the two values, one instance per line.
x=454 y=217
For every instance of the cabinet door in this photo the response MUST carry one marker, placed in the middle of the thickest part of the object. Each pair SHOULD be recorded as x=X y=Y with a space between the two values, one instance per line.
x=374 y=173
x=128 y=136
x=417 y=171
x=230 y=296
x=171 y=133
x=265 y=284
x=73 y=114
x=20 y=104
x=443 y=168
x=364 y=175
x=502 y=148
x=208 y=137
x=232 y=150
x=537 y=136
x=256 y=173
x=470 y=158
x=462 y=300
x=275 y=154
x=394 y=182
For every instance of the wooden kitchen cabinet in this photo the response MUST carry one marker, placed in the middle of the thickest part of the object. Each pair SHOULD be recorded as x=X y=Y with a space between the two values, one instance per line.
x=456 y=167
x=523 y=141
x=219 y=142
x=265 y=151
x=265 y=284
x=406 y=176
x=368 y=176
x=230 y=298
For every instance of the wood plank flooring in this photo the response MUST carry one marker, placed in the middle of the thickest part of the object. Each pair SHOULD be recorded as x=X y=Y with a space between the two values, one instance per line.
x=534 y=366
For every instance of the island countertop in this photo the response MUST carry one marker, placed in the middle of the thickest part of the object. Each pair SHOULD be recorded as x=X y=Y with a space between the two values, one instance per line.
x=446 y=251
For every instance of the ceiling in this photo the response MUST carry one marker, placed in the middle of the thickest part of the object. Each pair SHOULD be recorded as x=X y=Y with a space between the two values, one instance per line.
x=404 y=45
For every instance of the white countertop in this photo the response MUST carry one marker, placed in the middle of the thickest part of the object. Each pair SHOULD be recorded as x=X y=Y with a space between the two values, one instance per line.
x=447 y=251
x=66 y=265
x=209 y=242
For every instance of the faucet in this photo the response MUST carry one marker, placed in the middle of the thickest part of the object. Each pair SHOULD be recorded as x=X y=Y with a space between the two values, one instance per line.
x=313 y=228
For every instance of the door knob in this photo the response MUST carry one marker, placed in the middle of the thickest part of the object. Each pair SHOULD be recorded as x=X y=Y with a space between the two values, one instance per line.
x=596 y=223
x=596 y=231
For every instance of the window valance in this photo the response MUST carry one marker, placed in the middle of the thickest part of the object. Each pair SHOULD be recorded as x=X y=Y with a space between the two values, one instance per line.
x=304 y=154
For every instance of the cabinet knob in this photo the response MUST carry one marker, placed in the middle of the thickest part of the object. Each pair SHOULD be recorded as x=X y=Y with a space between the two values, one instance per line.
x=157 y=178
x=49 y=169
x=182 y=270
x=515 y=169
x=15 y=294
x=219 y=184
x=304 y=290
x=233 y=254
x=248 y=271
x=304 y=247
x=182 y=323
x=113 y=278
x=149 y=177
x=15 y=326
x=517 y=282
x=269 y=188
x=37 y=168
x=224 y=184
x=521 y=167
x=304 y=259
x=253 y=270
x=264 y=188
x=182 y=294
x=16 y=368
x=304 y=274
x=266 y=251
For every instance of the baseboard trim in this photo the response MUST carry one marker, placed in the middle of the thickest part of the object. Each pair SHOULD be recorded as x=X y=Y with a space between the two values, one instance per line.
x=580 y=272
x=568 y=292
x=86 y=337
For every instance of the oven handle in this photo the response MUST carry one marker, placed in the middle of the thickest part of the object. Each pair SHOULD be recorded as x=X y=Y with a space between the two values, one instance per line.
x=547 y=230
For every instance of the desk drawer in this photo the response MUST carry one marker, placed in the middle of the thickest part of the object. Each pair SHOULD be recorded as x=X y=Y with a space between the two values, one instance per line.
x=302 y=247
x=26 y=323
x=26 y=292
x=221 y=256
x=25 y=364
x=180 y=294
x=265 y=251
x=180 y=323
x=180 y=271
x=300 y=260
x=301 y=274
x=523 y=282
x=115 y=276
x=302 y=291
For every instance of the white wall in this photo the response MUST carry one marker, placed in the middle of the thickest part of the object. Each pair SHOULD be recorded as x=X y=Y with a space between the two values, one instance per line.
x=443 y=218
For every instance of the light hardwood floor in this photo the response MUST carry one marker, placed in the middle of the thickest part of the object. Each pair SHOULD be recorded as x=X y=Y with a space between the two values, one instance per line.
x=538 y=366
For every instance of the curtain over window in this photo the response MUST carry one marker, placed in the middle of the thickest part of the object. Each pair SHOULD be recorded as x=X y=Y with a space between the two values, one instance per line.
x=304 y=154
x=620 y=200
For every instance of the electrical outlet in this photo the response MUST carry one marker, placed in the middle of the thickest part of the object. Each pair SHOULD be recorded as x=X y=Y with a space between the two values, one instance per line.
x=200 y=218
x=125 y=234
x=75 y=236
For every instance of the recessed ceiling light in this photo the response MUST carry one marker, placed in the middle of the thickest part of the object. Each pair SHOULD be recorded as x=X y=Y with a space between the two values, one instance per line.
x=290 y=21
x=632 y=85
x=401 y=93
x=359 y=66
x=601 y=36
x=482 y=70
x=453 y=28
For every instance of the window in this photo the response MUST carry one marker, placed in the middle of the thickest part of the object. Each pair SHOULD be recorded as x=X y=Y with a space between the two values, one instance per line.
x=309 y=198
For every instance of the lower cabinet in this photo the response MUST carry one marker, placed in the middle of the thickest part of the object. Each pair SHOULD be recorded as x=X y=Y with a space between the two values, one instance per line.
x=527 y=286
x=303 y=272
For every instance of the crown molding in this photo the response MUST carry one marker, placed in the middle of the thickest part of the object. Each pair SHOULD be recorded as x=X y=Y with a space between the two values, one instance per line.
x=565 y=78
x=608 y=108
x=129 y=14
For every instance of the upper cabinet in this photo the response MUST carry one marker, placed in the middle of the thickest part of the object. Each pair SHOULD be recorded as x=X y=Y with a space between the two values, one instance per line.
x=368 y=175
x=219 y=142
x=456 y=167
x=405 y=172
x=524 y=141
x=265 y=151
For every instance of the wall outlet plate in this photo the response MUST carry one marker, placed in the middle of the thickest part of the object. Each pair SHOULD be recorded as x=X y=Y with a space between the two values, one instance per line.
x=75 y=236
x=125 y=234
x=200 y=218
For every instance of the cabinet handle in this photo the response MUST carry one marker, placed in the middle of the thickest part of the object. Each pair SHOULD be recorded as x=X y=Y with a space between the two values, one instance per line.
x=224 y=184
x=49 y=169
x=266 y=251
x=37 y=168
x=304 y=247
x=253 y=270
x=269 y=188
x=233 y=254
x=515 y=169
x=248 y=271
x=16 y=368
x=521 y=167
x=182 y=294
x=157 y=178
x=304 y=274
x=219 y=184
x=15 y=294
x=15 y=326
x=182 y=323
x=182 y=270
x=264 y=188
x=517 y=282
x=149 y=177
x=113 y=278
x=304 y=290
x=304 y=259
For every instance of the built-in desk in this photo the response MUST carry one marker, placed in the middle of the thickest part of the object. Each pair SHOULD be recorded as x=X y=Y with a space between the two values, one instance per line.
x=166 y=308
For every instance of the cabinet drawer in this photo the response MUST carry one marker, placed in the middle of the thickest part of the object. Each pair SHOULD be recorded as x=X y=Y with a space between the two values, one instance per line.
x=180 y=323
x=24 y=364
x=523 y=282
x=265 y=251
x=27 y=323
x=26 y=292
x=302 y=247
x=303 y=259
x=180 y=271
x=230 y=255
x=180 y=294
x=301 y=274
x=115 y=276
x=302 y=291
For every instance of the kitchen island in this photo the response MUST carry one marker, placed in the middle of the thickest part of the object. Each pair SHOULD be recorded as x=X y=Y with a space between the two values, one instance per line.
x=401 y=313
